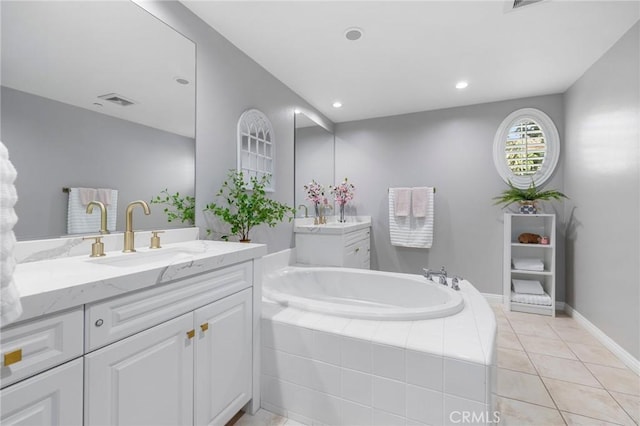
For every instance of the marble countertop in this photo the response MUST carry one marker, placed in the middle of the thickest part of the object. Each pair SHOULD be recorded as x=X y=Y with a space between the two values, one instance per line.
x=53 y=285
x=332 y=227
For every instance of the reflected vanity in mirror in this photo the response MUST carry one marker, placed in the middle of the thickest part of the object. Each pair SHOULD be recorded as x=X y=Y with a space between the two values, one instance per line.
x=314 y=159
x=97 y=95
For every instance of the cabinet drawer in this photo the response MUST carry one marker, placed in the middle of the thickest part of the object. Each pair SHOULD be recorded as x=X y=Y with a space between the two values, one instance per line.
x=354 y=237
x=117 y=318
x=37 y=345
x=53 y=398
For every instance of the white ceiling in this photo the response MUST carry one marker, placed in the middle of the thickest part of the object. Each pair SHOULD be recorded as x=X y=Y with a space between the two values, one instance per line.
x=413 y=52
x=73 y=52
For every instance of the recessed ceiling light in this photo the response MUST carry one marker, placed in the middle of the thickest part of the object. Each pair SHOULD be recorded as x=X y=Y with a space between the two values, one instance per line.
x=337 y=104
x=296 y=111
x=461 y=84
x=353 y=34
x=97 y=104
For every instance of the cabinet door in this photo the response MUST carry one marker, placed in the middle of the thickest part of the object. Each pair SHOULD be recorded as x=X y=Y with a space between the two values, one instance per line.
x=223 y=358
x=50 y=398
x=145 y=379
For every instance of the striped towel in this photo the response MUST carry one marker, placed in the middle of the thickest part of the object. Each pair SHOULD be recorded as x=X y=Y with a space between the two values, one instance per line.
x=411 y=231
x=79 y=222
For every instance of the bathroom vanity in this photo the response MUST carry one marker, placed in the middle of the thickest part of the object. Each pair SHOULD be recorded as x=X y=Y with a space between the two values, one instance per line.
x=345 y=244
x=156 y=337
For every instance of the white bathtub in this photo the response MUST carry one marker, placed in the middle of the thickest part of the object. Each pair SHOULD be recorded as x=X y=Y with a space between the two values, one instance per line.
x=331 y=355
x=360 y=294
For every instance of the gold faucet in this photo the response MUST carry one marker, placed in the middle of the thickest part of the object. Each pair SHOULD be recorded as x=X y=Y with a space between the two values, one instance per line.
x=129 y=246
x=103 y=215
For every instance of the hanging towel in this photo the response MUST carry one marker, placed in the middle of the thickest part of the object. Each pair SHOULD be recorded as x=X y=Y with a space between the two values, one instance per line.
x=79 y=222
x=104 y=195
x=411 y=231
x=420 y=200
x=10 y=306
x=402 y=202
x=86 y=195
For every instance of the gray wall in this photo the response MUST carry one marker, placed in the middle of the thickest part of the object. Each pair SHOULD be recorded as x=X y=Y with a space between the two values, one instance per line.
x=314 y=160
x=450 y=149
x=228 y=83
x=54 y=145
x=601 y=166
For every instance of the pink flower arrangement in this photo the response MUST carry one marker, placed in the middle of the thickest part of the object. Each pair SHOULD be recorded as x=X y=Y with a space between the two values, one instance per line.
x=315 y=192
x=343 y=193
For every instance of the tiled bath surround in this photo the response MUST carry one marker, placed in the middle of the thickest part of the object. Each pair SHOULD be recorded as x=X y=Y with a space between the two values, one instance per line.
x=321 y=369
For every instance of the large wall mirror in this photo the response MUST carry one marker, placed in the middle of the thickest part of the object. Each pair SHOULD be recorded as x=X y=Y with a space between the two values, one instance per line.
x=97 y=94
x=314 y=157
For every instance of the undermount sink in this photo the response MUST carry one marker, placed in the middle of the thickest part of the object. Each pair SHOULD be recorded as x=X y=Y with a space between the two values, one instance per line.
x=138 y=258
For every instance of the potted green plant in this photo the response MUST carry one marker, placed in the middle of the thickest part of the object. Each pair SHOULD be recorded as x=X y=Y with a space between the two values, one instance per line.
x=526 y=197
x=246 y=205
x=178 y=207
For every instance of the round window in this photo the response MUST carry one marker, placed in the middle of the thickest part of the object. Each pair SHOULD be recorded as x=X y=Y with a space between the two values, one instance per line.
x=526 y=148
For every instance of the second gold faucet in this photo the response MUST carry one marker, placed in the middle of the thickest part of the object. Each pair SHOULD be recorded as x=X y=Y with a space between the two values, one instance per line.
x=129 y=244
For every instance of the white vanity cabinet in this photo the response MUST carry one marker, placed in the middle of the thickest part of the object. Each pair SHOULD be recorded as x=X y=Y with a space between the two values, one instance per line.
x=195 y=368
x=347 y=245
x=30 y=350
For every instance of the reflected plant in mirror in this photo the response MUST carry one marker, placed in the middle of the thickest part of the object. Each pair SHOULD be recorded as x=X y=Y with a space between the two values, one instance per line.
x=178 y=207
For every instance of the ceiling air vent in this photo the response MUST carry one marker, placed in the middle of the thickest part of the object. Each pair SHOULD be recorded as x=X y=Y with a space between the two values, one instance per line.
x=519 y=4
x=117 y=99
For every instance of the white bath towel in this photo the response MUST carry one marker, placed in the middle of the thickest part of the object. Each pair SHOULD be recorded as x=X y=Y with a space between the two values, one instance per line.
x=531 y=299
x=402 y=202
x=79 y=222
x=527 y=286
x=10 y=306
x=527 y=264
x=411 y=231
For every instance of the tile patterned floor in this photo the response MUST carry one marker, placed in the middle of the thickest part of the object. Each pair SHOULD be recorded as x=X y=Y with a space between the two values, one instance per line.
x=551 y=371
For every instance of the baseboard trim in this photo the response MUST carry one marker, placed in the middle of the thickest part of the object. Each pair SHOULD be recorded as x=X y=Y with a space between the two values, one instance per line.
x=629 y=360
x=493 y=299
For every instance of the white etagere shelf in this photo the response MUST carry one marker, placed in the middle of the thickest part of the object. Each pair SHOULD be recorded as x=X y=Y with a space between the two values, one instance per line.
x=543 y=225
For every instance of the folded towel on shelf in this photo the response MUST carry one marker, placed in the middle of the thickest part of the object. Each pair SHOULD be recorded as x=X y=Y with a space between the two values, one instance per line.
x=402 y=202
x=527 y=286
x=526 y=264
x=10 y=306
x=411 y=231
x=80 y=222
x=420 y=200
x=531 y=299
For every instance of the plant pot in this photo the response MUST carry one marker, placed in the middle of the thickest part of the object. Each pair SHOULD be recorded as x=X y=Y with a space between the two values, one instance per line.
x=528 y=207
x=245 y=241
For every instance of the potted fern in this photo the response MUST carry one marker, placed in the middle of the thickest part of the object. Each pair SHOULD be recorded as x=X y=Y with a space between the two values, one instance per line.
x=245 y=205
x=526 y=197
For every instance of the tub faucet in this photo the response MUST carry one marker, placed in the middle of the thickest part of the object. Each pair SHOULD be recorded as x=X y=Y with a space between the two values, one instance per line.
x=103 y=215
x=442 y=275
x=454 y=283
x=129 y=245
